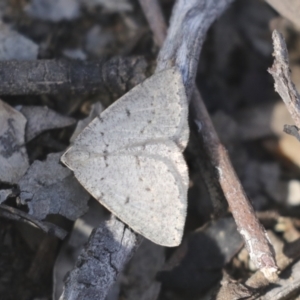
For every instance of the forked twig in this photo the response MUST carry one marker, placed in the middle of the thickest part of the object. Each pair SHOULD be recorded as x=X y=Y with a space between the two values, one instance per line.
x=189 y=24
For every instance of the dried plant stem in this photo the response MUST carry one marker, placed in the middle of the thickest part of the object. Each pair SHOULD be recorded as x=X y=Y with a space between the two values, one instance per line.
x=283 y=83
x=189 y=24
x=54 y=77
x=18 y=215
x=155 y=19
x=254 y=234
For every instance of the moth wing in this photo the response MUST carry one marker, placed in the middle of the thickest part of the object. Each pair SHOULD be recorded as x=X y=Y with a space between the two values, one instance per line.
x=155 y=109
x=143 y=188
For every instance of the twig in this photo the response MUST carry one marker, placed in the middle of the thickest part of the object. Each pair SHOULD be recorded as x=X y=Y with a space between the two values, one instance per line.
x=155 y=19
x=109 y=248
x=287 y=287
x=189 y=24
x=255 y=236
x=114 y=76
x=283 y=83
x=44 y=259
x=17 y=215
x=285 y=256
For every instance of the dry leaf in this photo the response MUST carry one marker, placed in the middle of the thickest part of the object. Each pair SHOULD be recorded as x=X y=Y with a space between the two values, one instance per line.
x=96 y=110
x=41 y=118
x=16 y=46
x=13 y=155
x=49 y=188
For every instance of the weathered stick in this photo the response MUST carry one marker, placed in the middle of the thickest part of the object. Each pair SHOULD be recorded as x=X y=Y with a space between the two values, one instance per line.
x=283 y=83
x=155 y=19
x=38 y=77
x=286 y=254
x=18 y=215
x=109 y=248
x=189 y=24
x=255 y=236
x=286 y=287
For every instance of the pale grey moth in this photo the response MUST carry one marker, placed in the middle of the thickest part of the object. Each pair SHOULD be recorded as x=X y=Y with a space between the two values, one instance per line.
x=130 y=158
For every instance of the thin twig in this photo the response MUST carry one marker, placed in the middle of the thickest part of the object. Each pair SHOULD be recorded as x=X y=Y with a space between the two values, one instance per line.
x=283 y=83
x=255 y=236
x=38 y=77
x=189 y=24
x=155 y=19
x=18 y=215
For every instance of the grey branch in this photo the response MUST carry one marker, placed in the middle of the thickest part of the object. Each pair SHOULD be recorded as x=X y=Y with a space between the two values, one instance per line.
x=287 y=287
x=109 y=248
x=189 y=24
x=18 y=215
x=283 y=83
x=38 y=77
x=155 y=19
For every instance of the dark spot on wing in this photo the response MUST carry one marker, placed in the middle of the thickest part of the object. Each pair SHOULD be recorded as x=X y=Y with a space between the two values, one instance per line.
x=100 y=119
x=128 y=112
x=149 y=121
x=105 y=158
x=138 y=162
x=102 y=133
x=127 y=200
x=141 y=179
x=142 y=131
x=148 y=189
x=102 y=178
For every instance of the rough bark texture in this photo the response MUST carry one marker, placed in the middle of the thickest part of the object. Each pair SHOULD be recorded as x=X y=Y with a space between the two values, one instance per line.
x=39 y=77
x=109 y=248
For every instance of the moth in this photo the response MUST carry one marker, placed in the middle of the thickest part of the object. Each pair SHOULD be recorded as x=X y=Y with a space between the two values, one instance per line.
x=130 y=158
